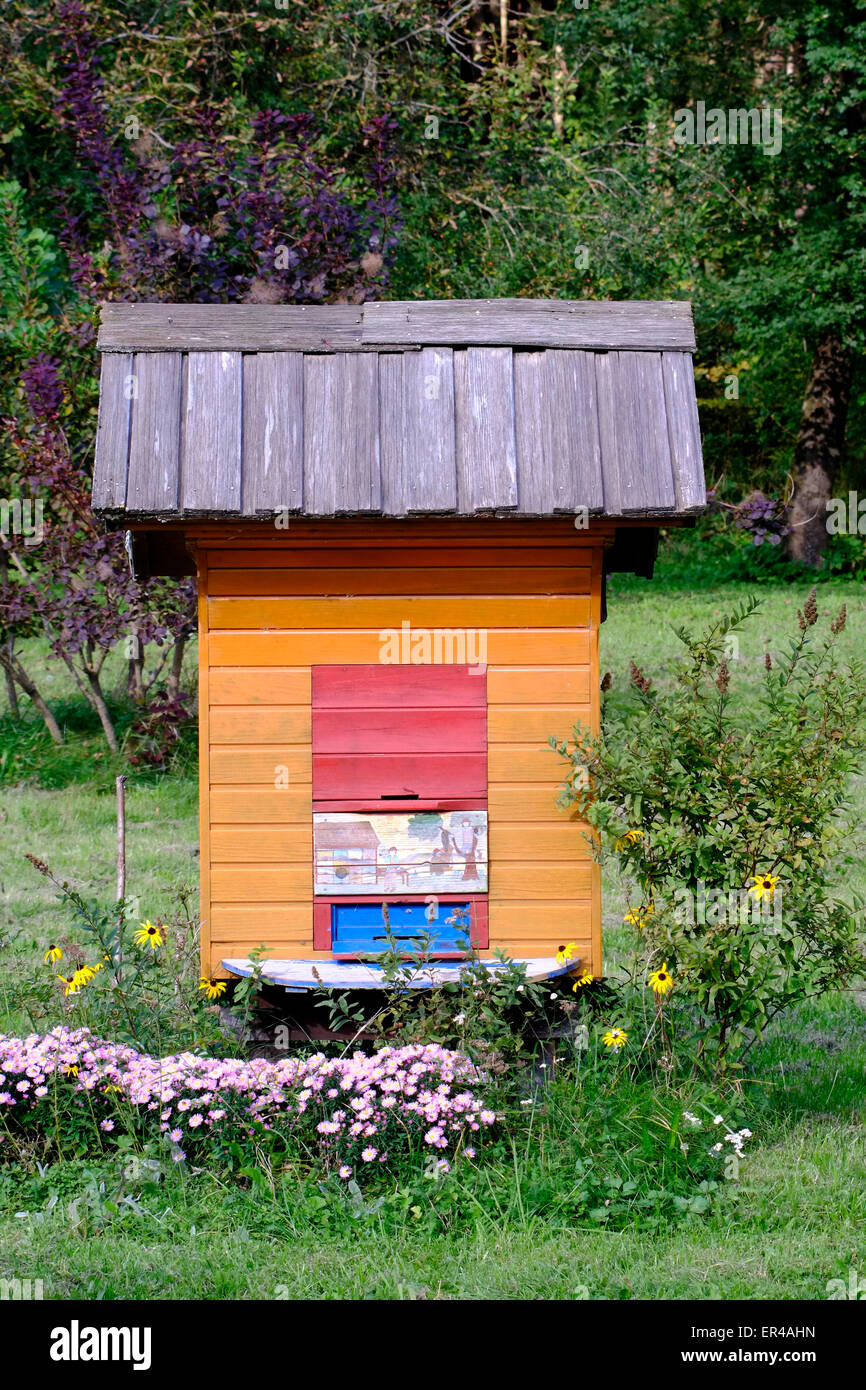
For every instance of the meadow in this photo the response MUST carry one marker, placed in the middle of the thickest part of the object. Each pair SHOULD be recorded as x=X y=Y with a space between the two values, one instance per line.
x=516 y=1223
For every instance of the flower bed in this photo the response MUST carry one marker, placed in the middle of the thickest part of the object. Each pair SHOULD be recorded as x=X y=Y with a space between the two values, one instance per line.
x=352 y=1112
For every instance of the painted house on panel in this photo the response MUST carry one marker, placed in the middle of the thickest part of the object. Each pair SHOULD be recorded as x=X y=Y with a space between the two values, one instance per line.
x=401 y=516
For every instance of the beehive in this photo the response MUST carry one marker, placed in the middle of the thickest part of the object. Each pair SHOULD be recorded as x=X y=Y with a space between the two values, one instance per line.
x=401 y=517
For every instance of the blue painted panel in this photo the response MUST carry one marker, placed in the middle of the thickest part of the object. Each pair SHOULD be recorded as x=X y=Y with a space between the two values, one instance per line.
x=359 y=926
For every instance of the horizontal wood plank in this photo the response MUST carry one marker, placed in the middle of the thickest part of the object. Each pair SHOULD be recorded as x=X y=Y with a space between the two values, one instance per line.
x=281 y=725
x=347 y=688
x=539 y=879
x=466 y=549
x=217 y=327
x=324 y=646
x=449 y=775
x=521 y=802
x=270 y=922
x=558 y=922
x=448 y=613
x=525 y=763
x=529 y=685
x=292 y=805
x=537 y=841
x=258 y=844
x=396 y=730
x=276 y=767
x=261 y=883
x=582 y=323
x=533 y=724
x=259 y=685
x=357 y=581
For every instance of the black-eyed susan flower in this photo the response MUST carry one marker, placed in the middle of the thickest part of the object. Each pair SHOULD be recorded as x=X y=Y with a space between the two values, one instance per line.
x=72 y=985
x=638 y=915
x=615 y=1038
x=630 y=838
x=213 y=988
x=661 y=980
x=148 y=935
x=763 y=886
x=566 y=953
x=53 y=954
x=71 y=1070
x=585 y=977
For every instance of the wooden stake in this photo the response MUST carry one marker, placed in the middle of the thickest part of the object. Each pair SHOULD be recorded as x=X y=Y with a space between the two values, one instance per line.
x=120 y=785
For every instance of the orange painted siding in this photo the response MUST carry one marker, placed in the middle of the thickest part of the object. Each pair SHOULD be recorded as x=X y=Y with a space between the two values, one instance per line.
x=323 y=594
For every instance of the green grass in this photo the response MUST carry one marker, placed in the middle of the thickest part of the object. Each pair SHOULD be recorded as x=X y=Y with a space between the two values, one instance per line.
x=792 y=1221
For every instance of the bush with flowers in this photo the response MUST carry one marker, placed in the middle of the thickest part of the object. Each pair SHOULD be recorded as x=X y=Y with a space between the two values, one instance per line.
x=728 y=824
x=136 y=981
x=67 y=1093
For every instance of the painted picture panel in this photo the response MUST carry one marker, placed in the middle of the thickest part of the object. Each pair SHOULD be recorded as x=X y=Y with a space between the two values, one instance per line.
x=418 y=852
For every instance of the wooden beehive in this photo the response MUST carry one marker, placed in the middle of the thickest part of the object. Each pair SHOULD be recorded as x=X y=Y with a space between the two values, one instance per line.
x=401 y=517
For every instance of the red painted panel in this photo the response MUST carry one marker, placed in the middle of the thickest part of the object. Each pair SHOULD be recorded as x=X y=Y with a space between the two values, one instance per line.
x=456 y=776
x=413 y=730
x=321 y=926
x=371 y=687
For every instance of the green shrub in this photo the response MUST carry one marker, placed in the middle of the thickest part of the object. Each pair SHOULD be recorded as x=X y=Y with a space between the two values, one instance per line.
x=732 y=828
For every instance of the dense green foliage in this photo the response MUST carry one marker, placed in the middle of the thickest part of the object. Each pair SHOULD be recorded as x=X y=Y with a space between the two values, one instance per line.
x=729 y=825
x=548 y=167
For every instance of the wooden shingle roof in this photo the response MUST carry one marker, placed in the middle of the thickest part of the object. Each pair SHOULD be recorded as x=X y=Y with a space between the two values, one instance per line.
x=511 y=407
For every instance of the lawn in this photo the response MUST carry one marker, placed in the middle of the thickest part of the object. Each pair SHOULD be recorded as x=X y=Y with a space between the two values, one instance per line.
x=792 y=1221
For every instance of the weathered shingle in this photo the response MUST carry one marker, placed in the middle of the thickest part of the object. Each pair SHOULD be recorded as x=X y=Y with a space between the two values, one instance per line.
x=520 y=407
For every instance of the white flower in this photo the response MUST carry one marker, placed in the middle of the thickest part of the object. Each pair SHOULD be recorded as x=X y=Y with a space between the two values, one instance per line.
x=459 y=1018
x=716 y=1148
x=719 y=1120
x=746 y=1133
x=692 y=1119
x=520 y=989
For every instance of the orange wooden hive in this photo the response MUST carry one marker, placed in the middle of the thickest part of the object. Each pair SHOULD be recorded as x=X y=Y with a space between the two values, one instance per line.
x=370 y=495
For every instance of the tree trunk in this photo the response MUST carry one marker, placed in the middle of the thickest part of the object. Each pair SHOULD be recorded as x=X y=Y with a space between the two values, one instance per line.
x=173 y=683
x=12 y=666
x=11 y=692
x=8 y=643
x=98 y=701
x=819 y=448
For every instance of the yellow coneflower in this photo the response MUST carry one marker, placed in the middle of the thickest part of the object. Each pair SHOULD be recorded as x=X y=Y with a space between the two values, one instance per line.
x=763 y=886
x=585 y=977
x=110 y=1087
x=213 y=988
x=661 y=980
x=615 y=1038
x=638 y=915
x=630 y=837
x=566 y=953
x=148 y=935
x=53 y=954
x=72 y=986
x=71 y=1070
